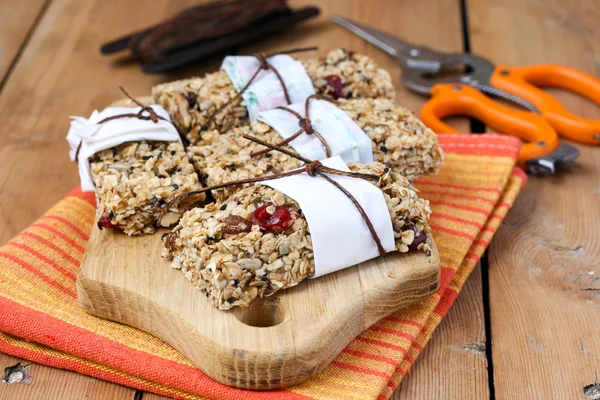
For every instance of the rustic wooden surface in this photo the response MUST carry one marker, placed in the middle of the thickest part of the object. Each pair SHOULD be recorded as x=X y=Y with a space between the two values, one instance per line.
x=453 y=364
x=545 y=260
x=543 y=264
x=17 y=20
x=52 y=383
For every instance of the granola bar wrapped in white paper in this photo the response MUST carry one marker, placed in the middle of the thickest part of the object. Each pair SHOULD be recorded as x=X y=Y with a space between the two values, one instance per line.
x=191 y=102
x=397 y=139
x=104 y=129
x=266 y=90
x=135 y=165
x=259 y=240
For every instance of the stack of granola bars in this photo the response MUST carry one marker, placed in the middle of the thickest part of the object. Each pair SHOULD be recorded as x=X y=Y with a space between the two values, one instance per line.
x=241 y=242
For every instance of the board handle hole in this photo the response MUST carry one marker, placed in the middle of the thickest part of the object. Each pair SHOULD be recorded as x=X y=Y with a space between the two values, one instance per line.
x=262 y=313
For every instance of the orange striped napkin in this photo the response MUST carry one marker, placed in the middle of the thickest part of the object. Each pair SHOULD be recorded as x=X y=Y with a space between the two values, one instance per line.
x=41 y=321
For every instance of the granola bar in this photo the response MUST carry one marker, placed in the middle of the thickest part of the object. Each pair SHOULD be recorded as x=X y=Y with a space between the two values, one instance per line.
x=346 y=74
x=233 y=261
x=190 y=102
x=135 y=181
x=399 y=140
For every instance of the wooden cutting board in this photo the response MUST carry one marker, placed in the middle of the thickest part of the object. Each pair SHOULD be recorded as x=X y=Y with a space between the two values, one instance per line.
x=278 y=341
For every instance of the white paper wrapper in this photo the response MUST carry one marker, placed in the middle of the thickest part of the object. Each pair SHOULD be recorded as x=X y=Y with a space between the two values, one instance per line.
x=343 y=136
x=266 y=92
x=95 y=137
x=339 y=233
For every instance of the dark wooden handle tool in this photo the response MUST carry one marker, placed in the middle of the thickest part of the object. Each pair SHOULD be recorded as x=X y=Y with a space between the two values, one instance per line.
x=253 y=32
x=206 y=29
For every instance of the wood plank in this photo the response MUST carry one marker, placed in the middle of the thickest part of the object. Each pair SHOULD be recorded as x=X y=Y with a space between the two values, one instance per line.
x=453 y=358
x=53 y=383
x=453 y=365
x=152 y=396
x=16 y=22
x=544 y=260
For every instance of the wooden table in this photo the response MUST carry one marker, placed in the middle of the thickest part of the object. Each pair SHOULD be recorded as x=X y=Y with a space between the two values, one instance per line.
x=527 y=323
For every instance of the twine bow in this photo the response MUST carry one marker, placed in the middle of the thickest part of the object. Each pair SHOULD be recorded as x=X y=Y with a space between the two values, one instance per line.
x=305 y=126
x=146 y=113
x=263 y=65
x=312 y=167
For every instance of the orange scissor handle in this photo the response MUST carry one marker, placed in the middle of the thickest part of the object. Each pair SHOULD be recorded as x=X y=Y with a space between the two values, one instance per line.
x=453 y=100
x=524 y=82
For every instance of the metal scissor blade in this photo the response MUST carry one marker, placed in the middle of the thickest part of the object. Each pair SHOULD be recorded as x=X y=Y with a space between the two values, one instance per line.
x=390 y=44
x=561 y=158
x=407 y=54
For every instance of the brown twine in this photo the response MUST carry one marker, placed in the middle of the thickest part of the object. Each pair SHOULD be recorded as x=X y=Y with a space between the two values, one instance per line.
x=305 y=126
x=311 y=167
x=145 y=114
x=263 y=65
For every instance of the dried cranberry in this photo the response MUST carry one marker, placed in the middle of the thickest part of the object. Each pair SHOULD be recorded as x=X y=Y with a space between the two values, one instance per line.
x=420 y=236
x=235 y=224
x=105 y=222
x=279 y=221
x=334 y=86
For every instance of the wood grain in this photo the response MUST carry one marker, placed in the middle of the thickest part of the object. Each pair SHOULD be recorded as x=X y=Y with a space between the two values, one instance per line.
x=52 y=383
x=453 y=365
x=278 y=341
x=17 y=20
x=545 y=259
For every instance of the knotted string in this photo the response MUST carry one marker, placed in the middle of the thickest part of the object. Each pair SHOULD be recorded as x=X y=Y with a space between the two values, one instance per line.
x=263 y=66
x=311 y=167
x=150 y=116
x=305 y=126
x=147 y=113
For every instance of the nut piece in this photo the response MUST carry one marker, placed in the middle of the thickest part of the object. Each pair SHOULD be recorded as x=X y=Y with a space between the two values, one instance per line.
x=169 y=218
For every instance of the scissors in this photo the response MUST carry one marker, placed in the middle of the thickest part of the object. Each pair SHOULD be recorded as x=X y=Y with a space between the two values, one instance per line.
x=466 y=94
